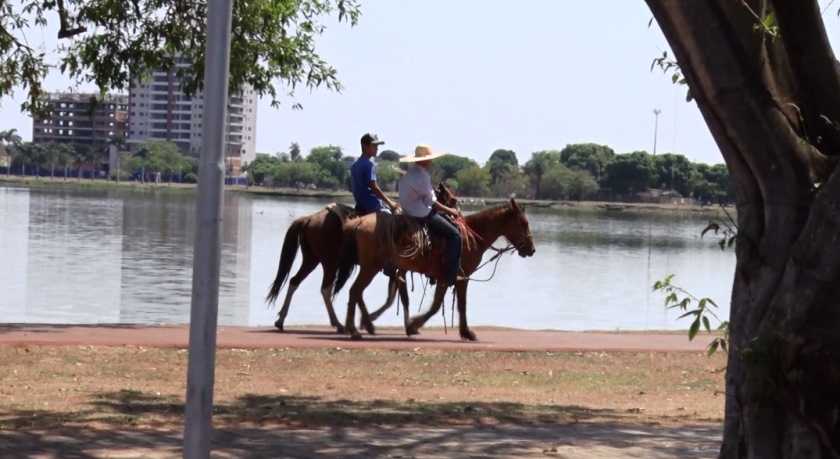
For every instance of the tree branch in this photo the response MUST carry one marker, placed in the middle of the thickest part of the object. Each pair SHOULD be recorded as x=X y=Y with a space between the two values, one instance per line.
x=814 y=66
x=64 y=31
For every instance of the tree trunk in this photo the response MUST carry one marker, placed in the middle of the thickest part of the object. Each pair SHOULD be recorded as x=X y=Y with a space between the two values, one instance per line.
x=772 y=105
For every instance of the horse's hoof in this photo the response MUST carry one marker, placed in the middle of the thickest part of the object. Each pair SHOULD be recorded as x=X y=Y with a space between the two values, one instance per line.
x=278 y=325
x=468 y=336
x=411 y=330
x=340 y=329
x=355 y=335
x=415 y=325
x=370 y=329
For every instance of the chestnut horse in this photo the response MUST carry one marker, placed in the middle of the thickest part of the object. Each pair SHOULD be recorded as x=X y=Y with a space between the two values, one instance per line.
x=318 y=236
x=362 y=243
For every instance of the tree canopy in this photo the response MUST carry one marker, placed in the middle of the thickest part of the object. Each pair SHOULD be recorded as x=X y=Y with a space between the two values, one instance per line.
x=108 y=42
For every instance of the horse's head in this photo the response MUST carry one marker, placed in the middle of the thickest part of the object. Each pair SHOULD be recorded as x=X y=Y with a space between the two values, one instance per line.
x=446 y=197
x=517 y=230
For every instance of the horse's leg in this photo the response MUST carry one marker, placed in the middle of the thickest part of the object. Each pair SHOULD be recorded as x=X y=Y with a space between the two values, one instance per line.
x=392 y=295
x=326 y=292
x=308 y=265
x=461 y=296
x=362 y=281
x=404 y=296
x=417 y=322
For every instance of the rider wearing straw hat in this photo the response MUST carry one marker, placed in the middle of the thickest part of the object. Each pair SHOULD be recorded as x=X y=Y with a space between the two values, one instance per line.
x=417 y=198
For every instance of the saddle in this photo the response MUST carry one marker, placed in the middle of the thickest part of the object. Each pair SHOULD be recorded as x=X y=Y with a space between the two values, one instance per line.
x=414 y=239
x=342 y=211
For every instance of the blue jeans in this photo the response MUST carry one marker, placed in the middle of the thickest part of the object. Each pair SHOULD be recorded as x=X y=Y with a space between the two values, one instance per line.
x=452 y=255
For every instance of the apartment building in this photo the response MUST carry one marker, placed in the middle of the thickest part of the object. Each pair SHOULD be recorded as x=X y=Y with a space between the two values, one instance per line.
x=159 y=110
x=72 y=121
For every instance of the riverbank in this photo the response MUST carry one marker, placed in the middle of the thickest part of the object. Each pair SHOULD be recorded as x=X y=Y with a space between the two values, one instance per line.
x=594 y=206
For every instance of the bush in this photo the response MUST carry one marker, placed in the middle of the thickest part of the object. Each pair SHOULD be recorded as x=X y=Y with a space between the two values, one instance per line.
x=190 y=178
x=125 y=176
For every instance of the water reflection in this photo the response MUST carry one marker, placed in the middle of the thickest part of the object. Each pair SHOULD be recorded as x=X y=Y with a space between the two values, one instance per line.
x=126 y=256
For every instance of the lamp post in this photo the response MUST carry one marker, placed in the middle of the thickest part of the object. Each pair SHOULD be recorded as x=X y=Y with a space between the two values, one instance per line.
x=656 y=113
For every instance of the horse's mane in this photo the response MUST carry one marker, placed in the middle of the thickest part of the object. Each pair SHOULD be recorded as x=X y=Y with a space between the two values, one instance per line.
x=491 y=213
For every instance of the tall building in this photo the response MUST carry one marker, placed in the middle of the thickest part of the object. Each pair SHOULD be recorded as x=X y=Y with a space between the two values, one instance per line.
x=159 y=110
x=71 y=121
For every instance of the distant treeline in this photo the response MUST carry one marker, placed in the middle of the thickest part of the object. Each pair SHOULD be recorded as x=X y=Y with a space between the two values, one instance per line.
x=584 y=171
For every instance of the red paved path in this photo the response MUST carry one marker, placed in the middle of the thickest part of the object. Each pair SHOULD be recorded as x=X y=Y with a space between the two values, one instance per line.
x=386 y=338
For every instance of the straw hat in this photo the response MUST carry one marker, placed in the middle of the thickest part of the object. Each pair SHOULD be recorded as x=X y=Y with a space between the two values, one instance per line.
x=422 y=152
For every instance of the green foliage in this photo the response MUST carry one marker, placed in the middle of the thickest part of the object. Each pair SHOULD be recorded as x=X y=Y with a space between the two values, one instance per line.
x=447 y=167
x=672 y=171
x=629 y=173
x=473 y=181
x=294 y=151
x=502 y=165
x=124 y=175
x=159 y=156
x=386 y=174
x=389 y=155
x=667 y=64
x=110 y=41
x=589 y=157
x=701 y=312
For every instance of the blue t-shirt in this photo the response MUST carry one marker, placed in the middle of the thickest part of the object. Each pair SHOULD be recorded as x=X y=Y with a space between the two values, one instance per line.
x=361 y=174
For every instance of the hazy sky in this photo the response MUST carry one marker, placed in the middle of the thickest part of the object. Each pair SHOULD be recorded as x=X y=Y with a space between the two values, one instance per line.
x=471 y=76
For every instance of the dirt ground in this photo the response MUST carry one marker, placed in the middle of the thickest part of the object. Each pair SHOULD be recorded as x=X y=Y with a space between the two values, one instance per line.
x=128 y=401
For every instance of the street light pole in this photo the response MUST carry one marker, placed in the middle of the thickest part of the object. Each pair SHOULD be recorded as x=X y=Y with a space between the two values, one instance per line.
x=656 y=113
x=207 y=248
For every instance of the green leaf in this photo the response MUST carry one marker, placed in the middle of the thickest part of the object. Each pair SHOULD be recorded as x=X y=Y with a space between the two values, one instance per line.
x=695 y=327
x=723 y=344
x=675 y=77
x=706 y=324
x=713 y=346
x=695 y=312
x=769 y=20
x=650 y=22
x=712 y=226
x=688 y=96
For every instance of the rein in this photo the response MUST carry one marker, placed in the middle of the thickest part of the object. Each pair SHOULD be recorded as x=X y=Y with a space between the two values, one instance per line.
x=463 y=222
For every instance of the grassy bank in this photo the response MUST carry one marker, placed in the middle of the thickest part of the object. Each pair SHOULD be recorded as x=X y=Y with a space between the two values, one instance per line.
x=594 y=206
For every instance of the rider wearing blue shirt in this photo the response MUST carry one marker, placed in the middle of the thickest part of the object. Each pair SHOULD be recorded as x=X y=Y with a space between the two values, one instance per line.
x=369 y=197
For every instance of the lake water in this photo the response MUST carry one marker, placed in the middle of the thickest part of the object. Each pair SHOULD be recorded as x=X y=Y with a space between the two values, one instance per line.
x=123 y=256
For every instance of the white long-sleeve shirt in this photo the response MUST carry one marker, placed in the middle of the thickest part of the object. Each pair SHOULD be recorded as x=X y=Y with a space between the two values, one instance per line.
x=416 y=192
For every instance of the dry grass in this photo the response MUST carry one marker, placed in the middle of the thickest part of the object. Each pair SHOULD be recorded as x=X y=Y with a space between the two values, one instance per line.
x=54 y=387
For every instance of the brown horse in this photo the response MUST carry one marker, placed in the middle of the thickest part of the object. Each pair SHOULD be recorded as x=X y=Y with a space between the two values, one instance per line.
x=319 y=236
x=446 y=197
x=404 y=246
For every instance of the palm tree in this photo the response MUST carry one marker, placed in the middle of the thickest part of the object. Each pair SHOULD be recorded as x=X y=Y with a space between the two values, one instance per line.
x=93 y=156
x=79 y=161
x=11 y=143
x=118 y=141
x=294 y=151
x=144 y=154
x=67 y=153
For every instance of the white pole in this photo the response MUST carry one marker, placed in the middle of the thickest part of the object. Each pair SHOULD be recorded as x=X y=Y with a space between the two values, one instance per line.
x=207 y=249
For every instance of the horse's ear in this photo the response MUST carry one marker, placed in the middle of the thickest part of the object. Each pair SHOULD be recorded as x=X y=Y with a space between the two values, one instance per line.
x=515 y=205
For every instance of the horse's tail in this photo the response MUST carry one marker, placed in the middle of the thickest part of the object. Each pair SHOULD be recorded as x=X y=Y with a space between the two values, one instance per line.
x=349 y=257
x=287 y=258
